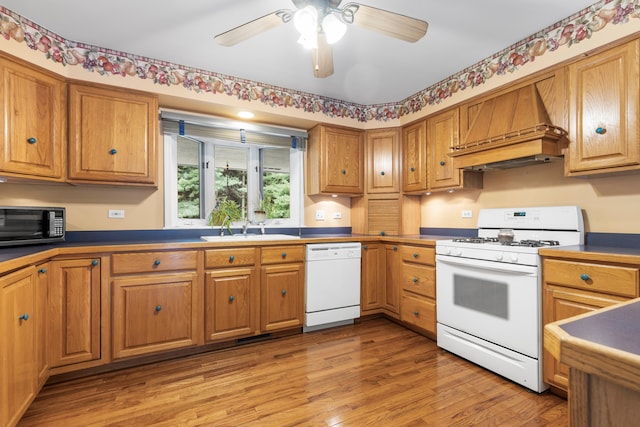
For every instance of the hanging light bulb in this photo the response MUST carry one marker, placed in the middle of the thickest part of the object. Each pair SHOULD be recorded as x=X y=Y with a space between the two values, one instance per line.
x=333 y=27
x=306 y=20
x=309 y=41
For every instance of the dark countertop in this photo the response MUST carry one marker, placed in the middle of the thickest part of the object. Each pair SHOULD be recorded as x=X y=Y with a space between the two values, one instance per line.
x=12 y=258
x=618 y=328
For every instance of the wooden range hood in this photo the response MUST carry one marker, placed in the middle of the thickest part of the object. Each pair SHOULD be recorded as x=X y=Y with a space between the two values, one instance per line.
x=510 y=130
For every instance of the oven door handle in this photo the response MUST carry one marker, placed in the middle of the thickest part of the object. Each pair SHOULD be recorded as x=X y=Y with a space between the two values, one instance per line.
x=488 y=265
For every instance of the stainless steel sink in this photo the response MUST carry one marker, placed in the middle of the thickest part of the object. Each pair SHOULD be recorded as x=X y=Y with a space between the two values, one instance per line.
x=248 y=237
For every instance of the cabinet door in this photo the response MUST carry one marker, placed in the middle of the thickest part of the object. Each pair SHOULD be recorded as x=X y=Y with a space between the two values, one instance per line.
x=414 y=158
x=230 y=303
x=372 y=277
x=112 y=136
x=391 y=301
x=443 y=133
x=34 y=109
x=18 y=376
x=603 y=111
x=382 y=151
x=335 y=161
x=282 y=295
x=74 y=311
x=42 y=297
x=561 y=303
x=154 y=313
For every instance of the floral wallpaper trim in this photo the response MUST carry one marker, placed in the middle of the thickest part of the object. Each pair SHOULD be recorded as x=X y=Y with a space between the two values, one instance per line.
x=569 y=31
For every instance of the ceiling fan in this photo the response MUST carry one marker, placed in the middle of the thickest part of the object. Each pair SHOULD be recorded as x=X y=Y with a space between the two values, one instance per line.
x=322 y=22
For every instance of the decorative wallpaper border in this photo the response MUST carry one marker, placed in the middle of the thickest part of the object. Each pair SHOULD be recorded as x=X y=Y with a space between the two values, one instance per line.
x=569 y=31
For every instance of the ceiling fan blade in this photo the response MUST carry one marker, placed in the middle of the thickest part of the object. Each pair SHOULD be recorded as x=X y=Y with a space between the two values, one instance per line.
x=252 y=28
x=391 y=24
x=322 y=57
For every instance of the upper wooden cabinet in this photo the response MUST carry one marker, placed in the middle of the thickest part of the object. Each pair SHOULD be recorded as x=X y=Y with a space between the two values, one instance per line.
x=34 y=115
x=335 y=161
x=382 y=151
x=414 y=158
x=112 y=136
x=604 y=112
x=442 y=134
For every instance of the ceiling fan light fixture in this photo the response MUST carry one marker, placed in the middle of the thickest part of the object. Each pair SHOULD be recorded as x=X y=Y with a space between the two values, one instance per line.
x=306 y=20
x=309 y=41
x=334 y=28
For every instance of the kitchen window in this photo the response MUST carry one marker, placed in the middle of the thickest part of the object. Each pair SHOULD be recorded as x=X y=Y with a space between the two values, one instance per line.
x=213 y=163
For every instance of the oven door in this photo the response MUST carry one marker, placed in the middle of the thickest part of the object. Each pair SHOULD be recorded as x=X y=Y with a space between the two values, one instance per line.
x=494 y=301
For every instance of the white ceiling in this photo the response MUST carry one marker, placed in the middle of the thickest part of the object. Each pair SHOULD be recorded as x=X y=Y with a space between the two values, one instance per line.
x=369 y=68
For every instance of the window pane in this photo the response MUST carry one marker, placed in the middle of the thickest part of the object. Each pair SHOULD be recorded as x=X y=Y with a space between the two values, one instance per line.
x=231 y=176
x=188 y=178
x=276 y=182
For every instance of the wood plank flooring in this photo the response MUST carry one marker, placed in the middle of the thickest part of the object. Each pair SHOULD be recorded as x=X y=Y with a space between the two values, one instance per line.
x=375 y=373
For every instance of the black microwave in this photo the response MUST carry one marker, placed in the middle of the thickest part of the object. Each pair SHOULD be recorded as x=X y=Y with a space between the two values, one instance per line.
x=25 y=225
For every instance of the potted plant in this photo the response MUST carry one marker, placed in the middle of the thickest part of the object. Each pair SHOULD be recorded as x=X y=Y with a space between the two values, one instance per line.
x=225 y=212
x=260 y=214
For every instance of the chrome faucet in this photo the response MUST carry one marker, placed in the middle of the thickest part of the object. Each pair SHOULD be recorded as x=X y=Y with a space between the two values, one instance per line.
x=245 y=226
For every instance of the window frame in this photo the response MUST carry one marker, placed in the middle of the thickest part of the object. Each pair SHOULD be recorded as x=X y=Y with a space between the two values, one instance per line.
x=296 y=182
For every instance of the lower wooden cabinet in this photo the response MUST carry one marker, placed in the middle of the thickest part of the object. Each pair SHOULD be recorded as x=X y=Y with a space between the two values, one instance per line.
x=372 y=278
x=154 y=313
x=231 y=303
x=391 y=294
x=74 y=311
x=418 y=283
x=18 y=346
x=572 y=287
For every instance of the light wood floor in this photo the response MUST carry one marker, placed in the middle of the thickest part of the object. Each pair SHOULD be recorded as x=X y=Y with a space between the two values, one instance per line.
x=375 y=373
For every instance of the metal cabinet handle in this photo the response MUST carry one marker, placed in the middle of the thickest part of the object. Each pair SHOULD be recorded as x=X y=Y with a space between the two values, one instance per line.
x=284 y=254
x=415 y=255
x=584 y=277
x=365 y=247
x=42 y=270
x=416 y=313
x=283 y=292
x=113 y=151
x=231 y=298
x=94 y=262
x=344 y=171
x=412 y=169
x=156 y=262
x=24 y=317
x=382 y=233
x=415 y=280
x=395 y=248
x=601 y=130
x=231 y=258
x=382 y=173
x=32 y=140
x=158 y=308
x=441 y=162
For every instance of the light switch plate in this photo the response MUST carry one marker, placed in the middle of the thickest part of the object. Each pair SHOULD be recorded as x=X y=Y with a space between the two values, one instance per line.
x=467 y=214
x=319 y=215
x=116 y=213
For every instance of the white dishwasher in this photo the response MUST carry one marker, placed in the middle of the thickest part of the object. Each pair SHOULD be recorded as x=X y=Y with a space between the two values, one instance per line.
x=332 y=296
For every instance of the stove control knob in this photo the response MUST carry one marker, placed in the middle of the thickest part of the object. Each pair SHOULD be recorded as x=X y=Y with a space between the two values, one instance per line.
x=499 y=256
x=514 y=257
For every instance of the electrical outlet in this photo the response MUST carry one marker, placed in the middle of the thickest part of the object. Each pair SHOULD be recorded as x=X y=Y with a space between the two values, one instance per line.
x=319 y=215
x=337 y=215
x=116 y=213
x=467 y=214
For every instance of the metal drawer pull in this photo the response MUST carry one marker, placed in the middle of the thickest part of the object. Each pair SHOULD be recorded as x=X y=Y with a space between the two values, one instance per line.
x=601 y=130
x=415 y=280
x=416 y=313
x=158 y=308
x=284 y=254
x=94 y=262
x=382 y=173
x=32 y=140
x=415 y=255
x=283 y=292
x=441 y=162
x=113 y=151
x=24 y=317
x=42 y=270
x=231 y=258
x=156 y=262
x=231 y=298
x=584 y=277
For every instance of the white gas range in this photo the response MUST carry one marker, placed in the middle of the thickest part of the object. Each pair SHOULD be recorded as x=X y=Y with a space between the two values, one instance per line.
x=489 y=295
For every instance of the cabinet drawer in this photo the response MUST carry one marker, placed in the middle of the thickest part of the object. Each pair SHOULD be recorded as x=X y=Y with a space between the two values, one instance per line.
x=280 y=254
x=419 y=279
x=417 y=311
x=233 y=257
x=146 y=262
x=418 y=254
x=610 y=279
